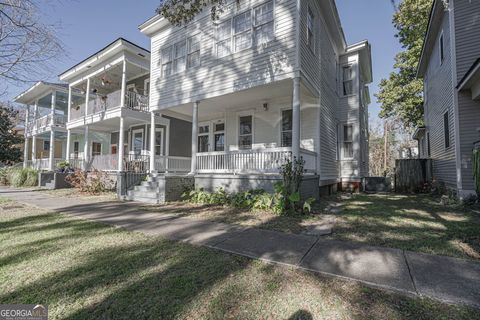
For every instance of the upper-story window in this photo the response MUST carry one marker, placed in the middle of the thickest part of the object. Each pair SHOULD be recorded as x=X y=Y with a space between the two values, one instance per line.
x=441 y=45
x=245 y=29
x=181 y=55
x=446 y=129
x=347 y=72
x=348 y=141
x=310 y=29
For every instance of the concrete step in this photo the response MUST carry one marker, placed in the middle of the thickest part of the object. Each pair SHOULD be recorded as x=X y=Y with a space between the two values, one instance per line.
x=145 y=200
x=149 y=184
x=146 y=194
x=50 y=185
x=146 y=188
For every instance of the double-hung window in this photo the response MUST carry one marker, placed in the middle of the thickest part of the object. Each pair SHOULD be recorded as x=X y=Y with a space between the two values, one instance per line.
x=224 y=42
x=263 y=23
x=245 y=134
x=167 y=61
x=347 y=72
x=219 y=136
x=180 y=63
x=242 y=31
x=286 y=134
x=310 y=30
x=348 y=141
x=193 y=59
x=203 y=137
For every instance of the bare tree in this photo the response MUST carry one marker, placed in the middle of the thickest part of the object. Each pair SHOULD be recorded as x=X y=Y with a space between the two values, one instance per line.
x=28 y=45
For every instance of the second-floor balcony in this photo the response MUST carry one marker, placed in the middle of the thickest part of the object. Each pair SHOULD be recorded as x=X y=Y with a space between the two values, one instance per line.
x=46 y=123
x=103 y=103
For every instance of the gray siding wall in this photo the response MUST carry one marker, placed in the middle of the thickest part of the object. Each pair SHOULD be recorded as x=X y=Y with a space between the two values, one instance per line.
x=440 y=99
x=217 y=76
x=467 y=38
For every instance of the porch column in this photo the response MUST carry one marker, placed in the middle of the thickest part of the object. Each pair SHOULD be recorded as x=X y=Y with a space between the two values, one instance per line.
x=296 y=118
x=51 y=161
x=121 y=140
x=85 y=149
x=67 y=148
x=34 y=148
x=152 y=141
x=124 y=84
x=194 y=137
x=69 y=102
x=87 y=97
x=25 y=143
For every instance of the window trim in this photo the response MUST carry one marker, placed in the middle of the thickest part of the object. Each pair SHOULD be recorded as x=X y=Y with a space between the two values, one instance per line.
x=343 y=66
x=281 y=131
x=347 y=141
x=132 y=139
x=208 y=134
x=188 y=53
x=101 y=147
x=244 y=114
x=447 y=143
x=173 y=59
x=224 y=132
x=253 y=28
x=44 y=142
x=161 y=142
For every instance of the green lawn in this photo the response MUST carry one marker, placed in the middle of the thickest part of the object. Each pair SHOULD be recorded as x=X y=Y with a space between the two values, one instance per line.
x=411 y=222
x=87 y=270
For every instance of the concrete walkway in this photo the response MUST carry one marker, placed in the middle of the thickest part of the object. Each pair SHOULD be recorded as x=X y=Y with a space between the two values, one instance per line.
x=447 y=279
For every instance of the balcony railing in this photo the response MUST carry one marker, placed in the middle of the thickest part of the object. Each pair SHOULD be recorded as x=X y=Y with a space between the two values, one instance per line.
x=102 y=103
x=42 y=123
x=251 y=161
x=173 y=164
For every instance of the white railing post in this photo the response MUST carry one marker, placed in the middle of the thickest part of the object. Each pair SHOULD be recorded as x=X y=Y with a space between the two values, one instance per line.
x=85 y=149
x=87 y=97
x=296 y=118
x=51 y=163
x=121 y=140
x=124 y=84
x=67 y=148
x=152 y=141
x=25 y=144
x=193 y=167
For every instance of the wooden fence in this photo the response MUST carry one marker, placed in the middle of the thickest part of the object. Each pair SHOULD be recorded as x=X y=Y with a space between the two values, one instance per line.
x=412 y=174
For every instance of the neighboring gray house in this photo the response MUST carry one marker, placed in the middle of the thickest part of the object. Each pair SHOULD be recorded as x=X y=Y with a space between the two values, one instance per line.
x=450 y=68
x=228 y=101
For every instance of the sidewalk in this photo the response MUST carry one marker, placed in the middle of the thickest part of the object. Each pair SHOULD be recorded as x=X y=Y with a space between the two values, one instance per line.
x=442 y=278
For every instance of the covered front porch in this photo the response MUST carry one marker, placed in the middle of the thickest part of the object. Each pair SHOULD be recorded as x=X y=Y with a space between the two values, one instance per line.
x=253 y=131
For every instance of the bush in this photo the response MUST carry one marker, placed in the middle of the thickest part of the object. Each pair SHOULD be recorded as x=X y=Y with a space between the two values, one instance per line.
x=18 y=177
x=32 y=178
x=4 y=176
x=93 y=183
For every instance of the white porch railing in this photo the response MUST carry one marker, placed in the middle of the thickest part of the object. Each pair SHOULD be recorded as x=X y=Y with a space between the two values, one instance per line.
x=136 y=101
x=43 y=163
x=104 y=162
x=251 y=161
x=172 y=164
x=42 y=123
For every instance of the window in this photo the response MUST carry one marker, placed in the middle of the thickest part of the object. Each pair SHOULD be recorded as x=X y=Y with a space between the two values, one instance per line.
x=446 y=129
x=263 y=23
x=441 y=49
x=46 y=145
x=245 y=133
x=242 y=31
x=223 y=39
x=428 y=144
x=193 y=59
x=158 y=141
x=234 y=35
x=347 y=80
x=167 y=61
x=348 y=141
x=203 y=138
x=179 y=62
x=310 y=28
x=96 y=148
x=76 y=147
x=219 y=136
x=286 y=134
x=137 y=141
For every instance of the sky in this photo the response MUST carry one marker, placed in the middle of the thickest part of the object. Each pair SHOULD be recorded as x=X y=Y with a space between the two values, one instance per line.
x=89 y=25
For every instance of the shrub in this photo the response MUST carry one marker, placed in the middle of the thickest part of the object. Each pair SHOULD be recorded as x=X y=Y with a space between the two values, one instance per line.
x=93 y=183
x=32 y=178
x=4 y=176
x=18 y=177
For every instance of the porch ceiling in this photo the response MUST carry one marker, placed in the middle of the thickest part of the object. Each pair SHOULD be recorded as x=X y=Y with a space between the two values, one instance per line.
x=254 y=97
x=113 y=124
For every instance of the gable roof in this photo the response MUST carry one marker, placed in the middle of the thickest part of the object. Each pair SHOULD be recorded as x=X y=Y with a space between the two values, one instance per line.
x=434 y=21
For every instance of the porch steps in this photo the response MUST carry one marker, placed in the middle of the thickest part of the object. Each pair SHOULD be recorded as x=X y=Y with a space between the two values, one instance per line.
x=158 y=188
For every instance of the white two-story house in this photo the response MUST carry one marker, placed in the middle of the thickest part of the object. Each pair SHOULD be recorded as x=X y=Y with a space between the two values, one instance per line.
x=450 y=69
x=225 y=103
